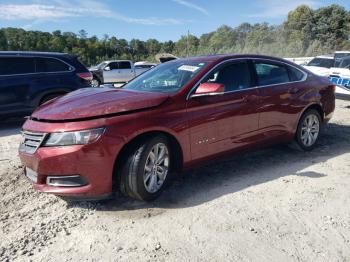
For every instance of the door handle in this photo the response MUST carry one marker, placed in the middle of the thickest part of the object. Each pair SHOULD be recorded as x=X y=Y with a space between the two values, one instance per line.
x=294 y=90
x=248 y=99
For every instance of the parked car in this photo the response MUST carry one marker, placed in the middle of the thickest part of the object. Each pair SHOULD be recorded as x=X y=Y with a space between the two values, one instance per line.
x=29 y=79
x=320 y=65
x=179 y=114
x=340 y=76
x=117 y=71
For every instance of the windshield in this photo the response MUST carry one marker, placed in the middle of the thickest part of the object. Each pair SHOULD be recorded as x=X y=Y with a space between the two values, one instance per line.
x=321 y=62
x=344 y=63
x=101 y=65
x=168 y=77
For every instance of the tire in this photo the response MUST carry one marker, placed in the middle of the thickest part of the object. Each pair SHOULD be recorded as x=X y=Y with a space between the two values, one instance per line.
x=140 y=177
x=95 y=82
x=309 y=130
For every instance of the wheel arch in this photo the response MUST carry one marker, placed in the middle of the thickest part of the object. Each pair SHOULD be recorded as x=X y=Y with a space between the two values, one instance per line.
x=35 y=102
x=176 y=149
x=315 y=106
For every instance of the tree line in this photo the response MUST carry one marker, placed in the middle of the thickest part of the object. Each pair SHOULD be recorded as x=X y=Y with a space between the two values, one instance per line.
x=305 y=32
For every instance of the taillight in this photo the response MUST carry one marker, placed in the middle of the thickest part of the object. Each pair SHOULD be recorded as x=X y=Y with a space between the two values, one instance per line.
x=86 y=76
x=332 y=87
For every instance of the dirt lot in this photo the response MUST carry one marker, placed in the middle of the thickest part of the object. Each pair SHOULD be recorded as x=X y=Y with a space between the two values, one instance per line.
x=275 y=204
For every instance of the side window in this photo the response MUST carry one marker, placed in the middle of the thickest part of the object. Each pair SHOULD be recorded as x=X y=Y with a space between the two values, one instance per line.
x=270 y=74
x=124 y=65
x=113 y=65
x=234 y=76
x=295 y=74
x=50 y=65
x=16 y=65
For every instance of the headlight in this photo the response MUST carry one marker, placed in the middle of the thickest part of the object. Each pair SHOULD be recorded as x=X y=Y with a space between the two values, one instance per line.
x=74 y=138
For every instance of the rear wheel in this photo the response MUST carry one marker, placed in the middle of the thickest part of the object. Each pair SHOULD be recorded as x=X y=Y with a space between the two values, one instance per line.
x=309 y=129
x=146 y=171
x=95 y=82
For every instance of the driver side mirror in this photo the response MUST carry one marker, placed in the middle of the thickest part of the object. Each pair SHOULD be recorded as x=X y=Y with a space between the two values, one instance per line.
x=107 y=68
x=209 y=89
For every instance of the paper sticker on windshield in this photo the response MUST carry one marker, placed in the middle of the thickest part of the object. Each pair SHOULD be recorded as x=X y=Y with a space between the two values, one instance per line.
x=188 y=68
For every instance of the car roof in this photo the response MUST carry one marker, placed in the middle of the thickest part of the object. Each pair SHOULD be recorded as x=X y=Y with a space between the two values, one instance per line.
x=222 y=57
x=31 y=53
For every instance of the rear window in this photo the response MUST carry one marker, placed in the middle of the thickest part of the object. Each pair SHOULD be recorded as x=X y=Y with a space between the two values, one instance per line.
x=124 y=65
x=51 y=65
x=16 y=65
x=270 y=74
x=295 y=74
x=113 y=65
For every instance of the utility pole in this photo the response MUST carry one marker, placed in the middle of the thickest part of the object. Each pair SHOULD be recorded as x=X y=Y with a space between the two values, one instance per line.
x=187 y=44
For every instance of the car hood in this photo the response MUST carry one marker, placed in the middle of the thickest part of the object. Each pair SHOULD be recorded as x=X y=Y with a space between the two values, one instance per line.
x=97 y=102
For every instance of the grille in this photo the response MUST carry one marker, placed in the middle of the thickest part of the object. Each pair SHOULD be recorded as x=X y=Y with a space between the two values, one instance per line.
x=32 y=141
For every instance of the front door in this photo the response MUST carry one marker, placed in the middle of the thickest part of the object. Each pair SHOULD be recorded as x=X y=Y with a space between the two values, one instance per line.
x=221 y=122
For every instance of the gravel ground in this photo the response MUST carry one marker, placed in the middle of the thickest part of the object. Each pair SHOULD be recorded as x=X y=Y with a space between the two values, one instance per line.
x=274 y=204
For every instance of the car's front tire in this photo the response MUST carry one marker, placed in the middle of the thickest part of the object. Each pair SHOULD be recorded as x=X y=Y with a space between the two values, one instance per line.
x=145 y=173
x=309 y=129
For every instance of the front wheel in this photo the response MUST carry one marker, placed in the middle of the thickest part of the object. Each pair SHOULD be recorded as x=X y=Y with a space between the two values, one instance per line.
x=309 y=129
x=146 y=171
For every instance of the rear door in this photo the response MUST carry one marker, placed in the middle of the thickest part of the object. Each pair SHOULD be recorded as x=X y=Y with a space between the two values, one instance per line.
x=126 y=71
x=223 y=122
x=280 y=89
x=16 y=80
x=53 y=76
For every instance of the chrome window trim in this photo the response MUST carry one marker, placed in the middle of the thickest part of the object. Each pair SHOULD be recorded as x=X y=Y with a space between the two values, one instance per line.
x=250 y=88
x=53 y=72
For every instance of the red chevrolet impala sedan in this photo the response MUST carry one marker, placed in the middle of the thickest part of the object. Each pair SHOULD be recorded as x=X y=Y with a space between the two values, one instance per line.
x=91 y=142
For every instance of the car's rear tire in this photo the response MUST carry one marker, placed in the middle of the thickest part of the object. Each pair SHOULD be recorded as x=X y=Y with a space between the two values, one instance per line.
x=145 y=172
x=309 y=129
x=95 y=82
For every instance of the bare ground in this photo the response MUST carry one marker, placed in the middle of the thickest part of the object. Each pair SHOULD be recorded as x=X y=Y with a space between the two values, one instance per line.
x=274 y=204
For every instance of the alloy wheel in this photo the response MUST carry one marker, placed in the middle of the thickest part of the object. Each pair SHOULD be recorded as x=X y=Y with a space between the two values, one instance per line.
x=156 y=168
x=310 y=130
x=95 y=83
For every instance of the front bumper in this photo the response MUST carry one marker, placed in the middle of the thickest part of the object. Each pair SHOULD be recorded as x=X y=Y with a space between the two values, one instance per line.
x=93 y=163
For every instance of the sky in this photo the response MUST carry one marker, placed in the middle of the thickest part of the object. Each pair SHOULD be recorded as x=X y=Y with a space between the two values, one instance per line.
x=144 y=19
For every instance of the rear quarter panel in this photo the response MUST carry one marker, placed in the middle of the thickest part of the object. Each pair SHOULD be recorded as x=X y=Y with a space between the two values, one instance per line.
x=318 y=92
